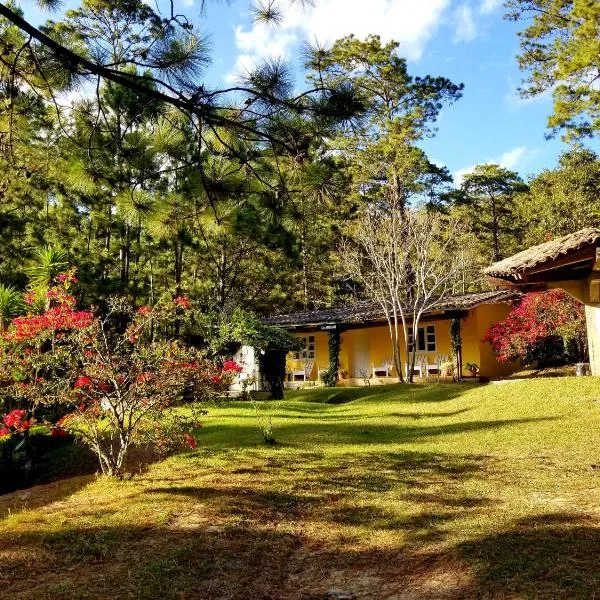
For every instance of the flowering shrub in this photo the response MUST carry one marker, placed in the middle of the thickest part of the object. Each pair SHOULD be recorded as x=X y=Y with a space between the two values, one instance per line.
x=544 y=326
x=14 y=423
x=116 y=385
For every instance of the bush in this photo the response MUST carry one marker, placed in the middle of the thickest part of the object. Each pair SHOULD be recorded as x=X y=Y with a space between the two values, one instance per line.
x=545 y=327
x=115 y=383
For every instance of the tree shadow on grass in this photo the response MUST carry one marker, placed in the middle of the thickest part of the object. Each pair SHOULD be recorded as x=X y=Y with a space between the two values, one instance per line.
x=554 y=556
x=354 y=433
x=42 y=495
x=244 y=539
x=548 y=556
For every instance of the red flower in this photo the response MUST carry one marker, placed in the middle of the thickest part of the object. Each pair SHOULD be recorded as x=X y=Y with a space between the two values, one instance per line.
x=82 y=382
x=144 y=310
x=217 y=379
x=4 y=432
x=231 y=365
x=190 y=441
x=182 y=302
x=58 y=432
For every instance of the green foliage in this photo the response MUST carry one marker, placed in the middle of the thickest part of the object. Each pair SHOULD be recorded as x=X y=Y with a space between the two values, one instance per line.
x=11 y=304
x=330 y=376
x=244 y=328
x=562 y=200
x=487 y=199
x=560 y=51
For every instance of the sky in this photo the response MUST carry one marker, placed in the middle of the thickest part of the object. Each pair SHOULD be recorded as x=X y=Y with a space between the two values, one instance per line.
x=467 y=41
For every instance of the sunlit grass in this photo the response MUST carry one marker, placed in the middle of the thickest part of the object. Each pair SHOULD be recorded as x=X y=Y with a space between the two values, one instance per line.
x=443 y=490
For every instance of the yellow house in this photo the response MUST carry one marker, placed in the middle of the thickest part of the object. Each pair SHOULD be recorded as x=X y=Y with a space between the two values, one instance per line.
x=366 y=351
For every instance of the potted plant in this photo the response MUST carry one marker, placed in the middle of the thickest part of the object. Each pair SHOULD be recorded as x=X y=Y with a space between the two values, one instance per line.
x=448 y=368
x=472 y=368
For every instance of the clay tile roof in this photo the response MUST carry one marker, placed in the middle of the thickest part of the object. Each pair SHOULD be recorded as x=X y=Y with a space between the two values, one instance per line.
x=369 y=310
x=548 y=251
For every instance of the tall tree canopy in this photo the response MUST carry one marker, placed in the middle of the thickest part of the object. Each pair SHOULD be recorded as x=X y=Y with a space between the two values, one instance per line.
x=560 y=51
x=489 y=193
x=384 y=160
x=562 y=200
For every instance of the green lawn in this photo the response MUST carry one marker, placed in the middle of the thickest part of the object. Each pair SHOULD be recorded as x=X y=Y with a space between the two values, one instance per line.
x=427 y=491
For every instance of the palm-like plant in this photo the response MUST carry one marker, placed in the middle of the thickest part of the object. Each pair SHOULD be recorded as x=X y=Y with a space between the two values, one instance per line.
x=48 y=263
x=11 y=304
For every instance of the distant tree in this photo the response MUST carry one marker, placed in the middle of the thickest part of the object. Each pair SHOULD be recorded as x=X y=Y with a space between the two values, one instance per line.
x=562 y=200
x=385 y=163
x=489 y=193
x=560 y=51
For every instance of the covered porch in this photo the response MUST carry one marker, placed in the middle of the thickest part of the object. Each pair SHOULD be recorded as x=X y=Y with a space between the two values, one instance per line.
x=364 y=346
x=571 y=263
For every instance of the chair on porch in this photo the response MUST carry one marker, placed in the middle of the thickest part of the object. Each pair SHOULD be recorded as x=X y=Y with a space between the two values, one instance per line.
x=385 y=368
x=440 y=359
x=420 y=365
x=434 y=367
x=307 y=367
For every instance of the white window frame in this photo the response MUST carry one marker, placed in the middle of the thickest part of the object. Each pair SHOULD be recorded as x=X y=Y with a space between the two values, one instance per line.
x=426 y=338
x=308 y=351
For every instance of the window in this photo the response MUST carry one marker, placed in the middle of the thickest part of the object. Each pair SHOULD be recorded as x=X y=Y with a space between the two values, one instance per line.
x=308 y=348
x=425 y=339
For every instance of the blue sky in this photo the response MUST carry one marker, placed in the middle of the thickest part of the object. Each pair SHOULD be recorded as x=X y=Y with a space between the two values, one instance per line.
x=467 y=41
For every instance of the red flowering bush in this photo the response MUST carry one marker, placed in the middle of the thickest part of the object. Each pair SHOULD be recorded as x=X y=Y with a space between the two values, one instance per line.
x=545 y=326
x=117 y=385
x=15 y=422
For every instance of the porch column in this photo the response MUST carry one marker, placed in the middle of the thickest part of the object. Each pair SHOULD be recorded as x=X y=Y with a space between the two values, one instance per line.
x=592 y=317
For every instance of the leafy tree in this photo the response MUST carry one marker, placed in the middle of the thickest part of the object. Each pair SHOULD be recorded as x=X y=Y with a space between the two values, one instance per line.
x=560 y=50
x=488 y=194
x=562 y=200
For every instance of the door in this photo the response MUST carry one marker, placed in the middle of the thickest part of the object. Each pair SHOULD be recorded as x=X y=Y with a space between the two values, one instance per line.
x=359 y=352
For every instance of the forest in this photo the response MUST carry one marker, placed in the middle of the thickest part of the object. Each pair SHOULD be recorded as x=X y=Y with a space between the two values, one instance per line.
x=239 y=197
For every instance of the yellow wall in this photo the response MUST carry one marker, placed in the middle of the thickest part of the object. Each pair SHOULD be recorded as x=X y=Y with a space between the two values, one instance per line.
x=489 y=314
x=575 y=288
x=363 y=348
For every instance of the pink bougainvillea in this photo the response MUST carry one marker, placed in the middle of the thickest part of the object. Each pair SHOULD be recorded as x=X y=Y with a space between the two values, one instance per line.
x=539 y=319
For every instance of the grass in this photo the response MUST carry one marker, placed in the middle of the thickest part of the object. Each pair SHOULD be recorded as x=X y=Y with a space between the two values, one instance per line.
x=398 y=492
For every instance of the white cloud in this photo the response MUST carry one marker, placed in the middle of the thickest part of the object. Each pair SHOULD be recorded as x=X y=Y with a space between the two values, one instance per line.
x=512 y=159
x=410 y=22
x=488 y=6
x=260 y=43
x=466 y=29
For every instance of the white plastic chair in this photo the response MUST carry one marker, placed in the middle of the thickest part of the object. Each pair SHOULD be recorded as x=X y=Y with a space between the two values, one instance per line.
x=385 y=367
x=420 y=365
x=305 y=373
